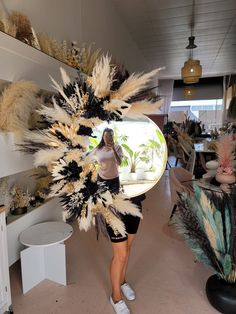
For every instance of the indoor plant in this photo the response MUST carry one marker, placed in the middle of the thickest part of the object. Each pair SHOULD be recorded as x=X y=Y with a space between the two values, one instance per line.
x=131 y=159
x=225 y=152
x=151 y=150
x=207 y=222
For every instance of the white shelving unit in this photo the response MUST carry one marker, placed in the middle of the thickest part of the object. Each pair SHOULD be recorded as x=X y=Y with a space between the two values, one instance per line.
x=5 y=292
x=19 y=61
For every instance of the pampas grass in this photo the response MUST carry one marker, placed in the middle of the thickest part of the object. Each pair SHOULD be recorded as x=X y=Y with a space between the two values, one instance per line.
x=102 y=77
x=17 y=102
x=137 y=109
x=45 y=43
x=6 y=25
x=83 y=58
x=23 y=27
x=89 y=59
x=224 y=150
x=133 y=85
x=124 y=206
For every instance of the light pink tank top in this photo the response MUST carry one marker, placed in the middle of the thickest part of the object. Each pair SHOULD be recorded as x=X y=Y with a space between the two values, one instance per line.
x=108 y=165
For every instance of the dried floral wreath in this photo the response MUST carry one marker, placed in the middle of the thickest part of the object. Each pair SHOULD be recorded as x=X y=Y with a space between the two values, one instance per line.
x=62 y=147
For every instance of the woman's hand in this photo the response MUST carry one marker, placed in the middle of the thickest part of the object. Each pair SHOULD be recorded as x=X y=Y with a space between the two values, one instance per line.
x=111 y=144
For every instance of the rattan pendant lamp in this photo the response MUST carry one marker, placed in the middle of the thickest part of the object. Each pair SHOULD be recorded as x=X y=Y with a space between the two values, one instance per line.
x=192 y=69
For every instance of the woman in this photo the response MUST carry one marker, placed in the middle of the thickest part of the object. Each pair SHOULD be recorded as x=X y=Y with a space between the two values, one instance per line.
x=109 y=157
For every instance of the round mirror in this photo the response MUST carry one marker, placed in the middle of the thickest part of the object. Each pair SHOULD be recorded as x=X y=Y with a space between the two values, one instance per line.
x=144 y=153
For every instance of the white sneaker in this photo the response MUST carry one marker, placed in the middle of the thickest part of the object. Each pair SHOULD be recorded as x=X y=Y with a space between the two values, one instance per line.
x=120 y=307
x=128 y=291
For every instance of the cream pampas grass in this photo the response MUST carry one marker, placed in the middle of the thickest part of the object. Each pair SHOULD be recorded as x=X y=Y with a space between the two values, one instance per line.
x=102 y=77
x=86 y=219
x=45 y=43
x=6 y=25
x=55 y=114
x=89 y=59
x=139 y=108
x=47 y=156
x=133 y=85
x=124 y=206
x=17 y=103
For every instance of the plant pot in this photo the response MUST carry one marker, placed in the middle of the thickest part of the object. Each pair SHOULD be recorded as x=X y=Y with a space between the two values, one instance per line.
x=140 y=174
x=128 y=176
x=19 y=211
x=149 y=175
x=225 y=180
x=221 y=295
x=133 y=176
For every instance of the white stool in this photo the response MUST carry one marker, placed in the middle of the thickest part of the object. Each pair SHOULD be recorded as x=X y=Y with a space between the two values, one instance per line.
x=45 y=257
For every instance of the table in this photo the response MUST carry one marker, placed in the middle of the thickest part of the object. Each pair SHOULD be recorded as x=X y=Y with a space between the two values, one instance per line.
x=45 y=256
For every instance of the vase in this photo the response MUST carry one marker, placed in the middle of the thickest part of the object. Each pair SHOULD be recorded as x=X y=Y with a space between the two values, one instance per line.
x=221 y=295
x=225 y=180
x=19 y=211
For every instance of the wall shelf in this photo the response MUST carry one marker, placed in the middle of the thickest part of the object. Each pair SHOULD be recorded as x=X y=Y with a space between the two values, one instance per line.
x=21 y=61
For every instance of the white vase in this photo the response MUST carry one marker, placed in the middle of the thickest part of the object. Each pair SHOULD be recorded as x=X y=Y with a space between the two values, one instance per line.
x=225 y=180
x=128 y=176
x=140 y=174
x=149 y=175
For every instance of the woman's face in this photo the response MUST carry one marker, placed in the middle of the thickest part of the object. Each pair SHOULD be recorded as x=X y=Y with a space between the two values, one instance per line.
x=108 y=138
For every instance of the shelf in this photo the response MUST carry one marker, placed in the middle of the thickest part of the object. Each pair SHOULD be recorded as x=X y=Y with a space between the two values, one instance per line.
x=11 y=218
x=21 y=61
x=11 y=160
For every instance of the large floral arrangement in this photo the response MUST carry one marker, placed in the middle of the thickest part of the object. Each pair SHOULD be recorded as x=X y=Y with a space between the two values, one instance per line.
x=63 y=146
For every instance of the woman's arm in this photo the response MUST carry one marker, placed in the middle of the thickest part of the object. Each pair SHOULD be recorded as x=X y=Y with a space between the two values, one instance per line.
x=118 y=153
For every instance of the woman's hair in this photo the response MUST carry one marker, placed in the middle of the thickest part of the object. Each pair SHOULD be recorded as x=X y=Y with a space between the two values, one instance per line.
x=102 y=143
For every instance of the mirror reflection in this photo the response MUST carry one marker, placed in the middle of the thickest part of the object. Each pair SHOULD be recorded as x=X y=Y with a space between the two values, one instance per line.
x=144 y=153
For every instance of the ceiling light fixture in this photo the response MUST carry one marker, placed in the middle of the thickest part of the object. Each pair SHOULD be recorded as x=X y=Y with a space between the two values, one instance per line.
x=192 y=69
x=189 y=92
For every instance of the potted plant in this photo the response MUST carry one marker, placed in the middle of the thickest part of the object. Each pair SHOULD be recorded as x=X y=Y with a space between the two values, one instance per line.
x=151 y=149
x=225 y=152
x=20 y=200
x=208 y=222
x=131 y=159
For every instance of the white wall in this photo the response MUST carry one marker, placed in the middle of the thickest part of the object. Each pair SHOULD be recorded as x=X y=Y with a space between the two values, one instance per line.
x=85 y=21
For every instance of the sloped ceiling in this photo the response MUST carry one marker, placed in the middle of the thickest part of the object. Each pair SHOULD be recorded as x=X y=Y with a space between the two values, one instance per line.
x=161 y=29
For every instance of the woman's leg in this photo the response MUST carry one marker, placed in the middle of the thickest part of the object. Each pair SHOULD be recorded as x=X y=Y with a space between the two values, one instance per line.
x=120 y=251
x=129 y=244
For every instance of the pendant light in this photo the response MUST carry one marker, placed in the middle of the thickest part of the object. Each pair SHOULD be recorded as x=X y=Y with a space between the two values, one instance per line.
x=192 y=69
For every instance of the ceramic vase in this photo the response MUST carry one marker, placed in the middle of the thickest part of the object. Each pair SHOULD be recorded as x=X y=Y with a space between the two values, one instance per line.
x=221 y=295
x=225 y=180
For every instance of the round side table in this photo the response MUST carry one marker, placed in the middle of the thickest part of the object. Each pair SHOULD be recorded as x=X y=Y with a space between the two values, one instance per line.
x=45 y=256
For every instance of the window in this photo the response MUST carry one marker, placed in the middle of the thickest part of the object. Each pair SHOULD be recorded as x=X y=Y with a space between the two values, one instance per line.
x=209 y=112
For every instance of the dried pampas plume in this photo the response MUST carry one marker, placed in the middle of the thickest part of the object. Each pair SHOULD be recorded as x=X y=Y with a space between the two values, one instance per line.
x=139 y=108
x=45 y=43
x=17 y=102
x=133 y=85
x=23 y=27
x=7 y=26
x=225 y=150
